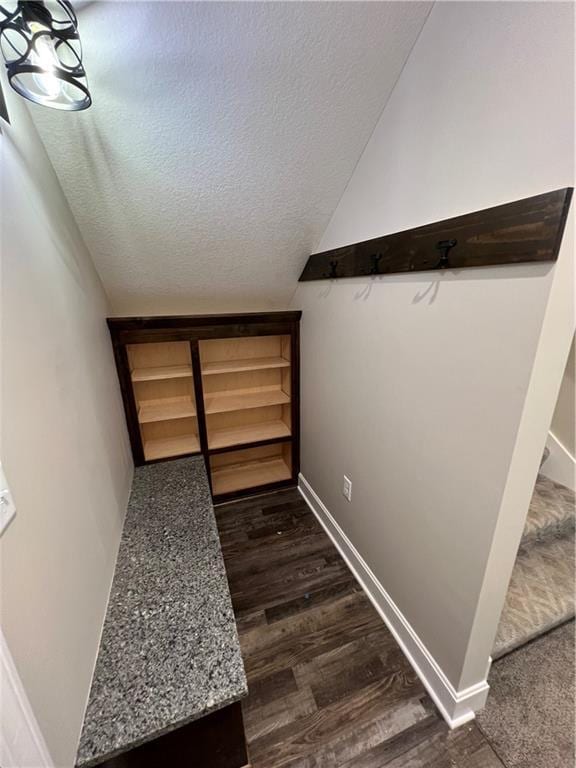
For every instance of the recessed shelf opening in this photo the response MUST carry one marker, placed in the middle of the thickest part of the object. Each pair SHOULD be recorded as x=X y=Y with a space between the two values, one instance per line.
x=251 y=468
x=248 y=426
x=224 y=387
x=247 y=390
x=161 y=376
x=163 y=439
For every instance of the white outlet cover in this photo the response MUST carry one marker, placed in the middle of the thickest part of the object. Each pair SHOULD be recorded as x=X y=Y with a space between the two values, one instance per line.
x=7 y=506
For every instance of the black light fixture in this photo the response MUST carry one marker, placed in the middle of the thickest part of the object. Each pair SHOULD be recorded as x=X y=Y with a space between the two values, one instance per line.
x=43 y=54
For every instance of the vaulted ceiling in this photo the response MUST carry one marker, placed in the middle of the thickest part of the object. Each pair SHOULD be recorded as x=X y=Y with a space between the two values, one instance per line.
x=221 y=138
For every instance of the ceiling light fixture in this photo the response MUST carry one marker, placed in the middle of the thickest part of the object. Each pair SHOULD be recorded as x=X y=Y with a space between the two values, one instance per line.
x=43 y=54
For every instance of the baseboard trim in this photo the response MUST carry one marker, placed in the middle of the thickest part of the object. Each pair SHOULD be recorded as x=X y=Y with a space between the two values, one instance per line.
x=21 y=741
x=456 y=707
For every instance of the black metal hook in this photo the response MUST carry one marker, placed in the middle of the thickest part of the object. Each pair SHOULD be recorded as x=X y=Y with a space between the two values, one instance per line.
x=333 y=267
x=375 y=268
x=445 y=246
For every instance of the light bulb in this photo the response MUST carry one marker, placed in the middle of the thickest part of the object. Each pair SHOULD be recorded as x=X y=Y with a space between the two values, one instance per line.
x=44 y=55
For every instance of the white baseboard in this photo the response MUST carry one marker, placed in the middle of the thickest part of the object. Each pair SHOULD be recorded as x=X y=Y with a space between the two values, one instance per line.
x=560 y=465
x=21 y=742
x=457 y=707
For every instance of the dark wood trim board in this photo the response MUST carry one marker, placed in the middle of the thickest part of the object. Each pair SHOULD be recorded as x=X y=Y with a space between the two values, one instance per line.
x=216 y=740
x=522 y=232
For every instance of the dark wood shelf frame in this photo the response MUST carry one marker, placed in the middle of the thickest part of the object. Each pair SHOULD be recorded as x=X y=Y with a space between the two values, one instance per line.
x=194 y=329
x=216 y=740
x=522 y=232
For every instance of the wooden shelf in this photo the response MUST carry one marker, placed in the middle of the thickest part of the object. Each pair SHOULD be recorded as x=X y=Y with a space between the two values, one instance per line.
x=163 y=448
x=238 y=366
x=162 y=372
x=247 y=433
x=165 y=409
x=253 y=474
x=239 y=399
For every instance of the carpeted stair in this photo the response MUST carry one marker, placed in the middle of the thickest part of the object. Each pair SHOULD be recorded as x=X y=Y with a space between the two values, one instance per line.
x=541 y=592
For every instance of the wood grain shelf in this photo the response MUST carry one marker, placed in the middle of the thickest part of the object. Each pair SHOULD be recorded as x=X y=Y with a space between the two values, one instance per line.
x=252 y=474
x=161 y=372
x=240 y=399
x=162 y=448
x=246 y=434
x=238 y=366
x=165 y=409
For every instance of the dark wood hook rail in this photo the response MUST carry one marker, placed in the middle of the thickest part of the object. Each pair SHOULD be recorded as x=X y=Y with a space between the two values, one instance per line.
x=522 y=232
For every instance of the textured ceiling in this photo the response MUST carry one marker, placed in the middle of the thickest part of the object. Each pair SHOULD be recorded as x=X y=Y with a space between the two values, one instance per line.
x=221 y=138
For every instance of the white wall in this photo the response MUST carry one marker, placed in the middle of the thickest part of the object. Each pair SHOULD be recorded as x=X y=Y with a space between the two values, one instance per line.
x=417 y=386
x=64 y=446
x=564 y=419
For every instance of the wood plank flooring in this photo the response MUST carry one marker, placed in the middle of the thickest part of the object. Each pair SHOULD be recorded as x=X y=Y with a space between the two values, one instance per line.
x=328 y=686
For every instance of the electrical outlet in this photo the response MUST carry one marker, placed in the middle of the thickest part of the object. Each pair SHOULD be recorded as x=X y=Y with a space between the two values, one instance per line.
x=347 y=488
x=7 y=507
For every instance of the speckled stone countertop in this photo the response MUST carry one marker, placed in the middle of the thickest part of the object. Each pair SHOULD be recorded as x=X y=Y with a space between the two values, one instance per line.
x=169 y=652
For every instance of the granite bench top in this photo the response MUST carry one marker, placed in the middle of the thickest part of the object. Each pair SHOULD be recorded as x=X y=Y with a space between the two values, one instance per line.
x=169 y=652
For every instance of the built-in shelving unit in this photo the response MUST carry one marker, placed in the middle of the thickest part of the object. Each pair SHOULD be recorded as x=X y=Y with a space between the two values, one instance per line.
x=161 y=375
x=223 y=386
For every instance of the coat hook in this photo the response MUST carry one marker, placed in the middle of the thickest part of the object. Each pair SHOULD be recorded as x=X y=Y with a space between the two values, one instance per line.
x=375 y=268
x=333 y=266
x=445 y=246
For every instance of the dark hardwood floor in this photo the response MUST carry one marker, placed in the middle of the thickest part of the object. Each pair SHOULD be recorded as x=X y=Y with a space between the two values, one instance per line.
x=329 y=687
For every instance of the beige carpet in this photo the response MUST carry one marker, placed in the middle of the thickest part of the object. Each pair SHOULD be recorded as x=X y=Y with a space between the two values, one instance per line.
x=529 y=716
x=541 y=591
x=551 y=511
x=540 y=595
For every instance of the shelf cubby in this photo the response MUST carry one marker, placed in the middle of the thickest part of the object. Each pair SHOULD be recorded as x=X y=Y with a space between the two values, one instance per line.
x=241 y=399
x=164 y=409
x=164 y=439
x=250 y=468
x=159 y=360
x=248 y=426
x=249 y=433
x=161 y=374
x=246 y=383
x=242 y=351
